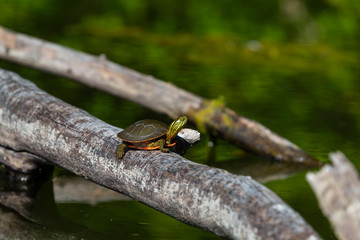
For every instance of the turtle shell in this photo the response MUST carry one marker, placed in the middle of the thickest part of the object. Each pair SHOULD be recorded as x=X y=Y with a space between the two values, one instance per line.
x=143 y=130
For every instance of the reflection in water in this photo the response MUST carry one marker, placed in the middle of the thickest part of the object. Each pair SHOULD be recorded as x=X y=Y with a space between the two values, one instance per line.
x=69 y=207
x=70 y=189
x=254 y=56
x=262 y=170
x=28 y=210
x=18 y=190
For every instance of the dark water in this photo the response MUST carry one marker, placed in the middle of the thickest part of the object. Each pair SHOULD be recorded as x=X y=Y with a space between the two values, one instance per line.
x=291 y=65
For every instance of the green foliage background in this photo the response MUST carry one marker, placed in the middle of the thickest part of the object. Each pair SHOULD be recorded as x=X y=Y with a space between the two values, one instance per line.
x=292 y=65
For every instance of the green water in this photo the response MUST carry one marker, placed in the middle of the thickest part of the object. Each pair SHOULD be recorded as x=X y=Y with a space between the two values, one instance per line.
x=291 y=65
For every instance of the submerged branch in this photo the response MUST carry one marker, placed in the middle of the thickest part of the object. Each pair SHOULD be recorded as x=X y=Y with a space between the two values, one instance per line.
x=157 y=95
x=228 y=205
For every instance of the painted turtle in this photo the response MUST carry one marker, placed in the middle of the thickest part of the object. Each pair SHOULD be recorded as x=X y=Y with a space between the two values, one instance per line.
x=148 y=135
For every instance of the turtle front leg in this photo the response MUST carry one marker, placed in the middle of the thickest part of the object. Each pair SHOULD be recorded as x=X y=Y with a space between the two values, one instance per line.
x=161 y=144
x=120 y=150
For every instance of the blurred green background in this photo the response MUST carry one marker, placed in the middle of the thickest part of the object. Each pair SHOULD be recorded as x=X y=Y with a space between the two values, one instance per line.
x=292 y=65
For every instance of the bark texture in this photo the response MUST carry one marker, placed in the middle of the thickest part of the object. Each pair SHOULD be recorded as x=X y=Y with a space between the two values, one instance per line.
x=228 y=205
x=337 y=188
x=157 y=95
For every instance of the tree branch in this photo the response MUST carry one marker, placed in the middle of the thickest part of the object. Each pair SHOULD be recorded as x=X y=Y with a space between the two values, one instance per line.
x=157 y=95
x=337 y=188
x=231 y=206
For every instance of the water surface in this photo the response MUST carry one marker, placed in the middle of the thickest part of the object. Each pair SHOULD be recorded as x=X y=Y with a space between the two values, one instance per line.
x=295 y=72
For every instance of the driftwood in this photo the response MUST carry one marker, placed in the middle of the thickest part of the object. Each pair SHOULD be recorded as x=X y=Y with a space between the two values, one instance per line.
x=337 y=188
x=228 y=205
x=159 y=96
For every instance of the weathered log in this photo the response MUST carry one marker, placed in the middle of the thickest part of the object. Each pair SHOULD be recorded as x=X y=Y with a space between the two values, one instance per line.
x=337 y=188
x=157 y=95
x=228 y=205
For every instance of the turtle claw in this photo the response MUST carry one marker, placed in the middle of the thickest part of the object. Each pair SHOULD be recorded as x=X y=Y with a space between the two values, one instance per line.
x=165 y=150
x=120 y=151
x=119 y=155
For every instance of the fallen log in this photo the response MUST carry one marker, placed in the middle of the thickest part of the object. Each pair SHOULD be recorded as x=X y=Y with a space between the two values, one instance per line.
x=337 y=188
x=228 y=205
x=157 y=95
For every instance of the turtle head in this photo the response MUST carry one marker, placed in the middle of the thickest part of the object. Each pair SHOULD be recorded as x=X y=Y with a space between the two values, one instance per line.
x=175 y=127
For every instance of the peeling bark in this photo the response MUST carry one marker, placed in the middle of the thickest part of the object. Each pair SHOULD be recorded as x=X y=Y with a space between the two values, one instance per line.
x=337 y=188
x=228 y=205
x=157 y=95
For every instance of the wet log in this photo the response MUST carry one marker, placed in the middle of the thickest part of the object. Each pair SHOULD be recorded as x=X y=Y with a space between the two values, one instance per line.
x=337 y=188
x=228 y=205
x=150 y=92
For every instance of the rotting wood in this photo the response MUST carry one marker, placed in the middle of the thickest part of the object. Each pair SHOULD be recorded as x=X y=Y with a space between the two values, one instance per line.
x=157 y=95
x=337 y=188
x=228 y=205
